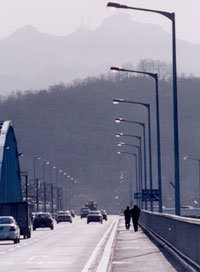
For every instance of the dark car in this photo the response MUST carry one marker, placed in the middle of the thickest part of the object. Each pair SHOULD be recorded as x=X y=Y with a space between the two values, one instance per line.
x=94 y=216
x=64 y=216
x=104 y=214
x=43 y=220
x=84 y=212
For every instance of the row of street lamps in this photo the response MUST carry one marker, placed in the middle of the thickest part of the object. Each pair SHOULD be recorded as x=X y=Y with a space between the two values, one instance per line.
x=170 y=16
x=52 y=189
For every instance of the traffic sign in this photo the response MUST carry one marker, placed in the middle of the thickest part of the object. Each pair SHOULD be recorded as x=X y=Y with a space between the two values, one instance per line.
x=137 y=195
x=150 y=195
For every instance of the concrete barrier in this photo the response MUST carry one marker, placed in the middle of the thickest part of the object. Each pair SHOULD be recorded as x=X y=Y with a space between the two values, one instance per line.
x=181 y=233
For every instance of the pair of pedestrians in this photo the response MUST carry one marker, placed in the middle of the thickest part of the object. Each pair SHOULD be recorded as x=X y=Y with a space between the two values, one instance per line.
x=134 y=214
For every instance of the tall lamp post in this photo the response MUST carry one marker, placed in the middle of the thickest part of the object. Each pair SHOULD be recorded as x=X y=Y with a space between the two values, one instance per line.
x=51 y=187
x=65 y=191
x=140 y=186
x=69 y=193
x=170 y=16
x=37 y=194
x=44 y=184
x=147 y=106
x=34 y=166
x=197 y=160
x=60 y=174
x=118 y=120
x=139 y=152
x=136 y=174
x=155 y=77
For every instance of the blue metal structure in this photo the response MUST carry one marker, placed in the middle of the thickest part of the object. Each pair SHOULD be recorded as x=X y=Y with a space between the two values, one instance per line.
x=10 y=179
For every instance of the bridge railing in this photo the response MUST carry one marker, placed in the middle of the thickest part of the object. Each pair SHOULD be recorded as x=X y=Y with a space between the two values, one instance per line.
x=181 y=233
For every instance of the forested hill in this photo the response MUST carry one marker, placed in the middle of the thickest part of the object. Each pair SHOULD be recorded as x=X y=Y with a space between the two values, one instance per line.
x=73 y=127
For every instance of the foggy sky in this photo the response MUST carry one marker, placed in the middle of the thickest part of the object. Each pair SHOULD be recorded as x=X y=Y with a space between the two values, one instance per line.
x=61 y=17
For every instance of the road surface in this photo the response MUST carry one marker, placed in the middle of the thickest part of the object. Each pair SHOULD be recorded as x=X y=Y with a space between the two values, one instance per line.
x=66 y=248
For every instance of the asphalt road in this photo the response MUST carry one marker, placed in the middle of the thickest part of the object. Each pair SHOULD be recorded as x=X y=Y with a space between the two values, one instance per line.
x=66 y=248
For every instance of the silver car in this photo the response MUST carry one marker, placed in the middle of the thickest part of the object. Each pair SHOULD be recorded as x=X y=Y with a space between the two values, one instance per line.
x=9 y=230
x=94 y=216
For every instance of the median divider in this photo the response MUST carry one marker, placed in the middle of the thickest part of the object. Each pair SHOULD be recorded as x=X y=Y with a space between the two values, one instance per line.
x=100 y=257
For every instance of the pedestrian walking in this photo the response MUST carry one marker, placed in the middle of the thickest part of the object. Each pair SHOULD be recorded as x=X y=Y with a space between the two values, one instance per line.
x=127 y=217
x=135 y=214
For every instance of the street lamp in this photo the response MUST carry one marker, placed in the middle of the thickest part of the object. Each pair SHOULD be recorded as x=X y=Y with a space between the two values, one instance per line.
x=65 y=191
x=52 y=188
x=140 y=155
x=44 y=185
x=59 y=190
x=139 y=152
x=34 y=166
x=155 y=77
x=147 y=106
x=198 y=160
x=118 y=120
x=51 y=185
x=170 y=16
x=140 y=159
x=136 y=175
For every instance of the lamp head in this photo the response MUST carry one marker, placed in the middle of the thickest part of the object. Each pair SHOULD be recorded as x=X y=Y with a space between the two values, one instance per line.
x=118 y=120
x=115 y=69
x=117 y=101
x=115 y=5
x=185 y=158
x=121 y=143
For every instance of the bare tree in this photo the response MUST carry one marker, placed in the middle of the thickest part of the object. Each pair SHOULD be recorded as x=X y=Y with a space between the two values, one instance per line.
x=155 y=66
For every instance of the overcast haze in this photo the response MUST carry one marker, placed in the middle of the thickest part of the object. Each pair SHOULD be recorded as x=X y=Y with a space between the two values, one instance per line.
x=61 y=17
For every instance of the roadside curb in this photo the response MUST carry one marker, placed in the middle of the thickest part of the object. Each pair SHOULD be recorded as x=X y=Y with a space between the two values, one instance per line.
x=93 y=262
x=108 y=250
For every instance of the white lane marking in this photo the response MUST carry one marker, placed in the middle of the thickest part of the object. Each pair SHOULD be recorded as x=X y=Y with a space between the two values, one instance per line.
x=95 y=252
x=3 y=252
x=11 y=249
x=31 y=260
x=103 y=264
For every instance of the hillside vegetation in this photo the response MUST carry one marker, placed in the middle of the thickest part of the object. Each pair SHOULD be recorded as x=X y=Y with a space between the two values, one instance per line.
x=73 y=127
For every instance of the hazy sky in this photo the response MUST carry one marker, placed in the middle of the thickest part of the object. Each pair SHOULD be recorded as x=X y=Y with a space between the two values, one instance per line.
x=61 y=17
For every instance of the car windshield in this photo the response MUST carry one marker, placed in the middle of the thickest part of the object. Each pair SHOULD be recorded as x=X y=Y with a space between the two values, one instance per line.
x=96 y=213
x=43 y=216
x=6 y=220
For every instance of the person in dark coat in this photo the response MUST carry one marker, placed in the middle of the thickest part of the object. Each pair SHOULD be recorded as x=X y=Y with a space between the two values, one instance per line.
x=135 y=214
x=127 y=216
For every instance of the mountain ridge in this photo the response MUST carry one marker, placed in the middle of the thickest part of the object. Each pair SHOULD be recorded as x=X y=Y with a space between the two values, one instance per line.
x=37 y=60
